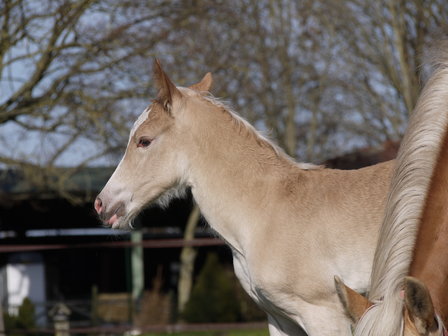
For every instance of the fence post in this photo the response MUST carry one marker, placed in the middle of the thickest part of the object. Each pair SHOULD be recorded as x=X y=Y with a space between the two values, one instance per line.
x=60 y=314
x=137 y=268
x=2 y=324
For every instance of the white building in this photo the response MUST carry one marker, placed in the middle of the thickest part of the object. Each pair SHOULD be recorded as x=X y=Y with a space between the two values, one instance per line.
x=24 y=277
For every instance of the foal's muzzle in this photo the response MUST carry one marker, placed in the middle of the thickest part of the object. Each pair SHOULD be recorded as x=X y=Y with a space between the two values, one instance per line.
x=109 y=215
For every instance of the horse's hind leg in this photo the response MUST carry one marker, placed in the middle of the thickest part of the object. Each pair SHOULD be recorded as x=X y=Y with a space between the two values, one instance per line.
x=280 y=326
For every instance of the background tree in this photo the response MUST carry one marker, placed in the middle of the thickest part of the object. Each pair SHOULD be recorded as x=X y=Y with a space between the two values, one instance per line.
x=322 y=77
x=187 y=260
x=72 y=74
x=380 y=53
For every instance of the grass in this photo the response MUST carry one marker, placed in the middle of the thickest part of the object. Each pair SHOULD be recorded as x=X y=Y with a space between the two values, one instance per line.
x=263 y=332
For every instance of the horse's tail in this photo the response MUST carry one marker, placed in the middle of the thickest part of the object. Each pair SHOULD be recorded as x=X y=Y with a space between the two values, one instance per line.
x=416 y=160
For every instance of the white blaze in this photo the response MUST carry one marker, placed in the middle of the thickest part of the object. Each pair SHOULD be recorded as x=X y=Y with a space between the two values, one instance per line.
x=140 y=120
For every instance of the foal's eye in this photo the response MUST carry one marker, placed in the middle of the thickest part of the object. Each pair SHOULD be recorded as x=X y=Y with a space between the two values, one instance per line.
x=143 y=142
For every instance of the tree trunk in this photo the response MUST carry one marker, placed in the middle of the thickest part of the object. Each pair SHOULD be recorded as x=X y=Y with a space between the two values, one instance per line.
x=187 y=258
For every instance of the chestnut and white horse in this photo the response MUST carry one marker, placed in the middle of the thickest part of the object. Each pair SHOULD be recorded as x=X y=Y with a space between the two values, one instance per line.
x=290 y=226
x=414 y=235
x=430 y=259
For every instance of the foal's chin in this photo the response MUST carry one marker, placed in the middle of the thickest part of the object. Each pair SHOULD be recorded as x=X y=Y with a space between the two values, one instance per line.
x=125 y=222
x=123 y=225
x=161 y=199
x=120 y=224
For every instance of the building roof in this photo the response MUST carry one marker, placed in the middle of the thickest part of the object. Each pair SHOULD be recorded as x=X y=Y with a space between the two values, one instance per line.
x=42 y=183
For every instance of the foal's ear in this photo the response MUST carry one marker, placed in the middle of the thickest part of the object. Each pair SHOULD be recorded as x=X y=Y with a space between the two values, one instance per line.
x=205 y=84
x=167 y=90
x=354 y=303
x=419 y=305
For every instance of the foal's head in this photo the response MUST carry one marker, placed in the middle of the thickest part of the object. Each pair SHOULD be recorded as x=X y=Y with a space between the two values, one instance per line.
x=154 y=165
x=419 y=318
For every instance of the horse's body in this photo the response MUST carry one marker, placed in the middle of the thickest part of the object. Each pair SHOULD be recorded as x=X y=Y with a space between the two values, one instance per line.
x=430 y=259
x=290 y=226
x=414 y=235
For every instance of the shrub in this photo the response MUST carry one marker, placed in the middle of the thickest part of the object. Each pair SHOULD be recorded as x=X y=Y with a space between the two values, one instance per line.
x=25 y=320
x=213 y=298
x=27 y=315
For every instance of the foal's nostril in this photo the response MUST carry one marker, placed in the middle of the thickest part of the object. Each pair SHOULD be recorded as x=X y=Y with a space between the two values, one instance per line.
x=98 y=205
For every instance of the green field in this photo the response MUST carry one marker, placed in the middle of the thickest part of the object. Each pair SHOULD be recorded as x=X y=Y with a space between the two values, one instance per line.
x=263 y=332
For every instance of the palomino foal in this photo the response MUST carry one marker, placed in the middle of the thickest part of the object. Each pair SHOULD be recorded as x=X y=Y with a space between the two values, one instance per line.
x=414 y=235
x=290 y=226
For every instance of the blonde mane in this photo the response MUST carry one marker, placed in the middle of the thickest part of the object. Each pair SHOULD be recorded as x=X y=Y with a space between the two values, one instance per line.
x=246 y=128
x=416 y=160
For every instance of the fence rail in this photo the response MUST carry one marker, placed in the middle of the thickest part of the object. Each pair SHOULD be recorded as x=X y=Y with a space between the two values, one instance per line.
x=130 y=330
x=153 y=243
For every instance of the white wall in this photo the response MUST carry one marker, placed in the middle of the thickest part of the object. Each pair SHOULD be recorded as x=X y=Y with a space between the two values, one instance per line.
x=25 y=280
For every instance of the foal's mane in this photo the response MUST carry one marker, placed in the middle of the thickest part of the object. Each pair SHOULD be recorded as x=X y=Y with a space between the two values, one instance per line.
x=416 y=160
x=250 y=131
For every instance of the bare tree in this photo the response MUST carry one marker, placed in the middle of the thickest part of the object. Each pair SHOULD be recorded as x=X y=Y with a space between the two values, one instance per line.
x=319 y=76
x=68 y=71
x=274 y=62
x=381 y=46
x=187 y=259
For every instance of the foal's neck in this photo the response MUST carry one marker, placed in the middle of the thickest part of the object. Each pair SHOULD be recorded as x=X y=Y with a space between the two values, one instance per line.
x=232 y=172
